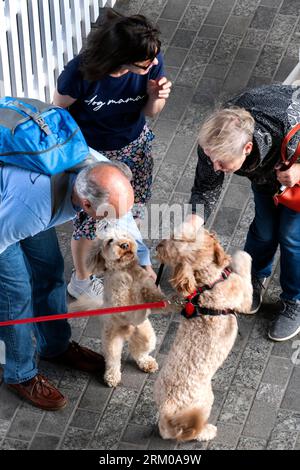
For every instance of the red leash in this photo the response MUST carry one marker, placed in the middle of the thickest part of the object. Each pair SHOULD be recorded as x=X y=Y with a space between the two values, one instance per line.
x=89 y=313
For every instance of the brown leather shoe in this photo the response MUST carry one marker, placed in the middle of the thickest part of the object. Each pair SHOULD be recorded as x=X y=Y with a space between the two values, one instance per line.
x=41 y=393
x=80 y=358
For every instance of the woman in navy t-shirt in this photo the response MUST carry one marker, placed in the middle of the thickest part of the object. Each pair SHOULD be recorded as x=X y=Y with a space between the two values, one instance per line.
x=109 y=88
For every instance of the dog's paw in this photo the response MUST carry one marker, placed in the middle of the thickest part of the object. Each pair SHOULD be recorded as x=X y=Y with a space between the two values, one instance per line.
x=208 y=433
x=112 y=377
x=148 y=365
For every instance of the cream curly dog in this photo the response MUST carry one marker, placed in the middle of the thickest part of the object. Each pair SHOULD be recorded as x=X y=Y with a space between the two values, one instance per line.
x=125 y=283
x=183 y=391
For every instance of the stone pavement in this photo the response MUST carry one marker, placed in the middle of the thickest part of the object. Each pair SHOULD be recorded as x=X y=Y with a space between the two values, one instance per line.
x=212 y=49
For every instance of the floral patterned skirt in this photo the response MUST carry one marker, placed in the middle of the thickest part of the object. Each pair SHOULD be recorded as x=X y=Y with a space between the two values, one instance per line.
x=138 y=157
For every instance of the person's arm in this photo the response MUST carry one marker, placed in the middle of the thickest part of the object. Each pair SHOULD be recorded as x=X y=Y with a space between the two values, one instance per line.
x=69 y=84
x=207 y=185
x=158 y=92
x=158 y=89
x=64 y=101
x=17 y=222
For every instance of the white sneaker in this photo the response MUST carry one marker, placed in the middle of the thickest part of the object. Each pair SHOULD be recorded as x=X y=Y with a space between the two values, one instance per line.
x=92 y=287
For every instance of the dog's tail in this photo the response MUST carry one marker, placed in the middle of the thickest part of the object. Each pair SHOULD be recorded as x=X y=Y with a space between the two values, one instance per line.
x=185 y=425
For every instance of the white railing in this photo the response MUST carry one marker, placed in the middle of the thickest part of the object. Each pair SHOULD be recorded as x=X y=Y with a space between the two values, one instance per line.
x=37 y=38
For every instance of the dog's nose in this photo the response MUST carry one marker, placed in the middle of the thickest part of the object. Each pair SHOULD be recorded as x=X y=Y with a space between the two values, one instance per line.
x=124 y=246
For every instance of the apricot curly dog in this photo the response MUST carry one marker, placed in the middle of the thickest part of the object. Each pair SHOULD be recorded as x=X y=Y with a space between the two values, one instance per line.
x=183 y=390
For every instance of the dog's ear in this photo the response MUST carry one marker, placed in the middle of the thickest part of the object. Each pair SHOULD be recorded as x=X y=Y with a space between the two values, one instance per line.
x=184 y=280
x=220 y=257
x=95 y=261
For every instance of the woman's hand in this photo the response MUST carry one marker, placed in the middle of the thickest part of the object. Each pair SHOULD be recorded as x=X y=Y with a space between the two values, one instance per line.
x=159 y=89
x=289 y=177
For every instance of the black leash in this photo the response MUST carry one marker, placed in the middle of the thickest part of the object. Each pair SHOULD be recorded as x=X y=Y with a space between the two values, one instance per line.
x=159 y=274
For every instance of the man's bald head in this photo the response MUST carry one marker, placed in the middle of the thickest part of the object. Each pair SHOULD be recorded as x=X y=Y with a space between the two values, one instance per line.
x=105 y=187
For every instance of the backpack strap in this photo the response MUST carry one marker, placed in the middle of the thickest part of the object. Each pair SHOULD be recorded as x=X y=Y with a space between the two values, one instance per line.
x=288 y=163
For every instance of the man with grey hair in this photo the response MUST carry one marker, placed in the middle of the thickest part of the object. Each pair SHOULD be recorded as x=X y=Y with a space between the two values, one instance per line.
x=32 y=268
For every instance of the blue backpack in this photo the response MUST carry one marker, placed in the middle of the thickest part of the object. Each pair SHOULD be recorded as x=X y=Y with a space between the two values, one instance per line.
x=39 y=137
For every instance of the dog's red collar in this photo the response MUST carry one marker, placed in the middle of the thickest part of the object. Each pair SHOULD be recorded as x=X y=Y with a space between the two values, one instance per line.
x=192 y=308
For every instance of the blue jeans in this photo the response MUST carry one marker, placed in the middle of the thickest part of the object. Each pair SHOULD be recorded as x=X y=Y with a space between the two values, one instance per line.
x=273 y=226
x=32 y=284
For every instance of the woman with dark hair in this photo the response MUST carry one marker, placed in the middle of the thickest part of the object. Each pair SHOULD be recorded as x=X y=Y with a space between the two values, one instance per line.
x=110 y=87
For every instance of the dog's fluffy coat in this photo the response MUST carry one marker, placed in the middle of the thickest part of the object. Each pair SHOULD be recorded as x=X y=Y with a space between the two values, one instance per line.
x=183 y=391
x=125 y=283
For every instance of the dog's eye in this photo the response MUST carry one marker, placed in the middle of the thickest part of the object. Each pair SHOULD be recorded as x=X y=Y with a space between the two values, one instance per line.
x=110 y=241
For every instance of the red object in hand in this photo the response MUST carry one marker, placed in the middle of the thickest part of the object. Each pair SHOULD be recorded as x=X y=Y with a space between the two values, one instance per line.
x=189 y=308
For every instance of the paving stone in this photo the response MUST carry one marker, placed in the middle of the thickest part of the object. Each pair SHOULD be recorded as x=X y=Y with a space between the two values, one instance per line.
x=237 y=405
x=260 y=421
x=249 y=443
x=4 y=425
x=24 y=425
x=227 y=437
x=169 y=338
x=285 y=68
x=254 y=38
x=281 y=30
x=44 y=442
x=85 y=419
x=139 y=435
x=263 y=18
x=246 y=54
x=219 y=397
x=245 y=7
x=219 y=13
x=284 y=433
x=226 y=220
x=252 y=363
x=237 y=25
x=234 y=195
x=271 y=3
x=268 y=60
x=193 y=17
x=145 y=412
x=289 y=7
x=177 y=103
x=174 y=9
x=270 y=393
x=157 y=443
x=55 y=422
x=130 y=447
x=238 y=76
x=183 y=38
x=74 y=380
x=175 y=56
x=216 y=71
x=291 y=398
x=76 y=439
x=116 y=415
x=225 y=50
x=166 y=28
x=278 y=371
x=171 y=73
x=210 y=31
x=152 y=10
x=9 y=403
x=223 y=377
x=14 y=444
